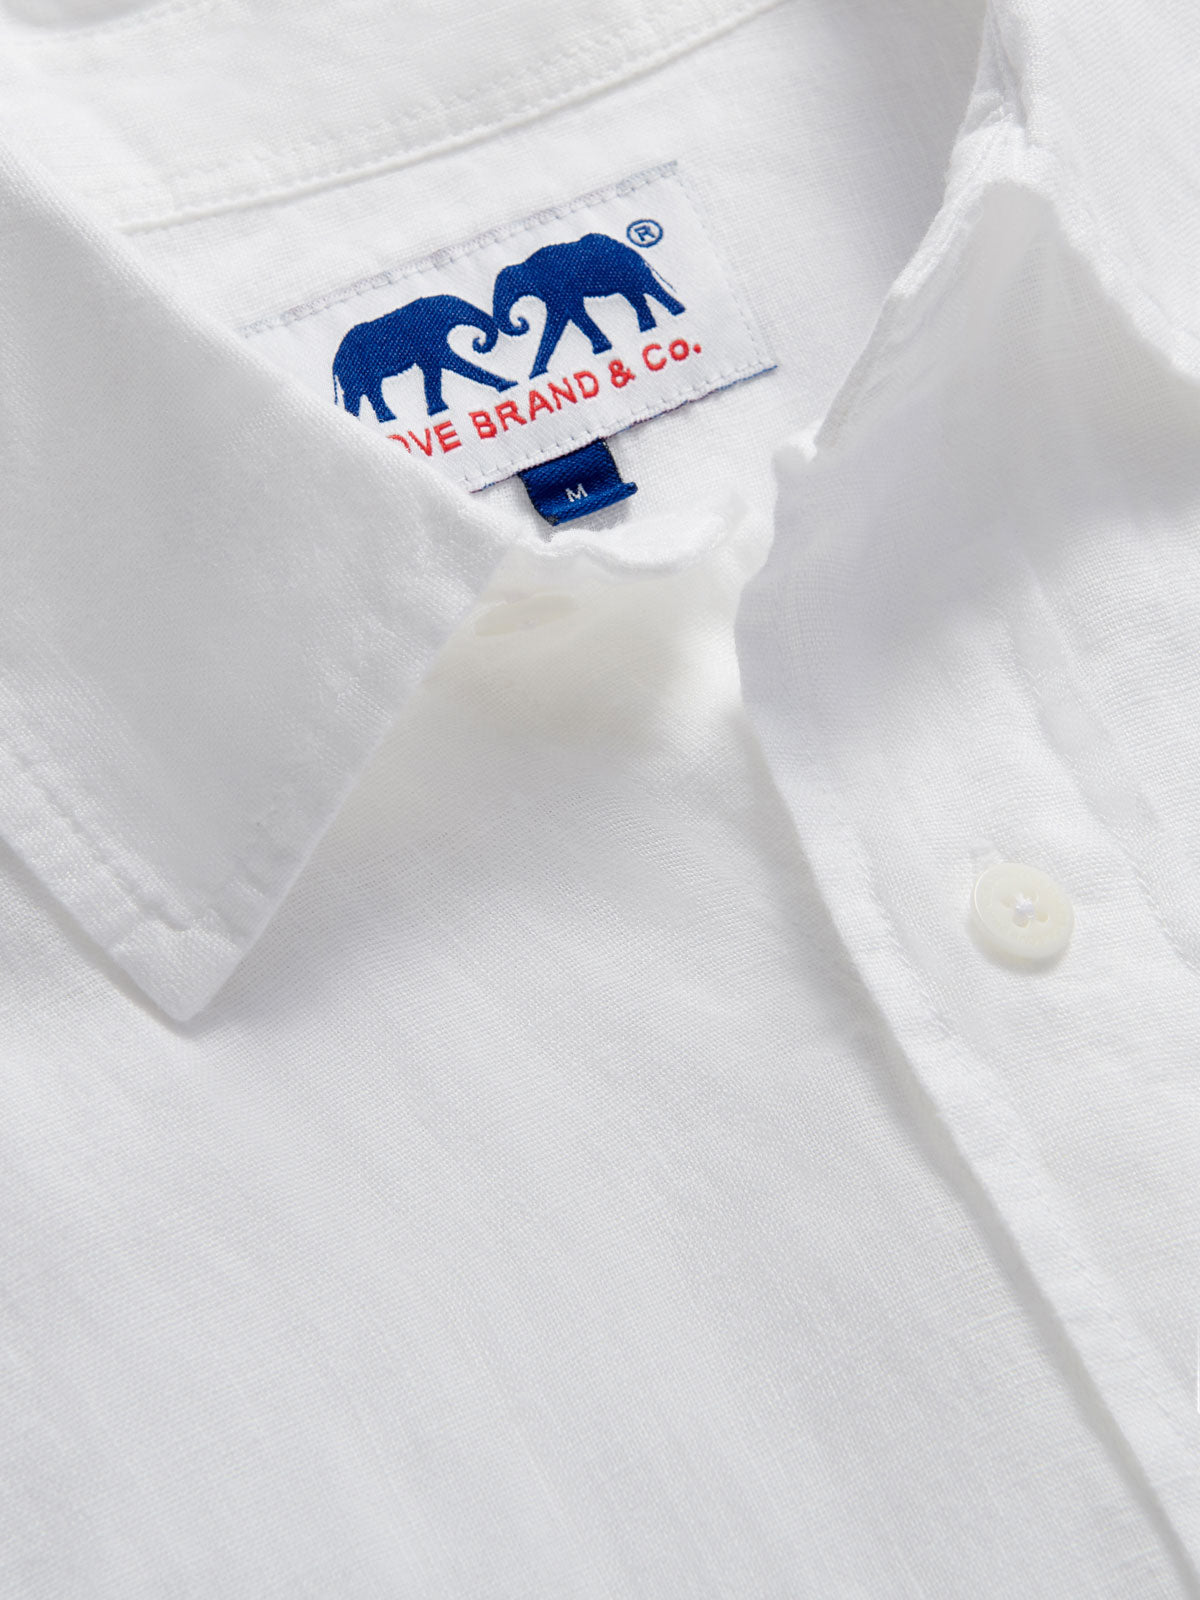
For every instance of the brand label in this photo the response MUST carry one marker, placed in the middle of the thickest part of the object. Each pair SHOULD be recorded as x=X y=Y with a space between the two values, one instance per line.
x=531 y=340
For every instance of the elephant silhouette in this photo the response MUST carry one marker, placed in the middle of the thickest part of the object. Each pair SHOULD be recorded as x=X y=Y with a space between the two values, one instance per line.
x=564 y=276
x=414 y=336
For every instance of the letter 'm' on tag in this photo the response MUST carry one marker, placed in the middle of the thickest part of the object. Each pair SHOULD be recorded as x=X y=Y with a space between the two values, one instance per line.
x=513 y=349
x=577 y=484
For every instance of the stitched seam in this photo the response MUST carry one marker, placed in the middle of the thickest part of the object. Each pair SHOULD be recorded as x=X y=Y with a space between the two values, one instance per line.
x=875 y=365
x=942 y=1025
x=457 y=252
x=518 y=461
x=851 y=399
x=27 y=768
x=1070 y=173
x=579 y=49
x=945 y=1028
x=635 y=63
x=101 y=852
x=36 y=770
x=1141 y=873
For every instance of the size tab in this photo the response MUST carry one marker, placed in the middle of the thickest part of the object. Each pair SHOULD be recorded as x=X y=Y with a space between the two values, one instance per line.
x=575 y=485
x=526 y=343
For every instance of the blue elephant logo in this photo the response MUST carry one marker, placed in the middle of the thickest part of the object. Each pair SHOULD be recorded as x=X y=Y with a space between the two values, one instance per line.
x=417 y=335
x=562 y=276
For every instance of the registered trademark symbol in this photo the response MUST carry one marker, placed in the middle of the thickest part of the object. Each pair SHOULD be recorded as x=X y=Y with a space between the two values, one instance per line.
x=644 y=232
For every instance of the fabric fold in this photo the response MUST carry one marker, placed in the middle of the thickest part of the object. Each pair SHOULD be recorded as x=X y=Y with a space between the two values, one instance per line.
x=216 y=594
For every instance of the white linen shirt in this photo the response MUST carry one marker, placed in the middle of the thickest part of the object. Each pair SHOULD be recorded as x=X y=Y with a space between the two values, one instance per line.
x=501 y=1089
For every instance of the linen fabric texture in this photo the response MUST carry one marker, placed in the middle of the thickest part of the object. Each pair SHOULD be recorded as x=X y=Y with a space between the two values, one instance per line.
x=499 y=1093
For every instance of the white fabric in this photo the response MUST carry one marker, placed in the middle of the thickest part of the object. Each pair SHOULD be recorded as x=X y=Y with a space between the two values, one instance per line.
x=692 y=349
x=499 y=1093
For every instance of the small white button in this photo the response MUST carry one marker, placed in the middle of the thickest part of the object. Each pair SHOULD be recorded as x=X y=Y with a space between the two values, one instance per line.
x=526 y=611
x=1022 y=911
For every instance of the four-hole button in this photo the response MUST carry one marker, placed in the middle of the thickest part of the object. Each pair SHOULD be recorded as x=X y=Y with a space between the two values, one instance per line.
x=1022 y=912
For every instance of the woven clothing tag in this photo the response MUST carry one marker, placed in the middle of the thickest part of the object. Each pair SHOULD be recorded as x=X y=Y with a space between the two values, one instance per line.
x=533 y=340
x=575 y=485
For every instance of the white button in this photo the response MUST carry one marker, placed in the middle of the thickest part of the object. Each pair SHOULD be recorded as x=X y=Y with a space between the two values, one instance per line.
x=527 y=611
x=1022 y=911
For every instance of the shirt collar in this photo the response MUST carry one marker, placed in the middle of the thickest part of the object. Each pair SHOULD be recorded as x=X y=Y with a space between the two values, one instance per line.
x=1104 y=100
x=217 y=593
x=218 y=590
